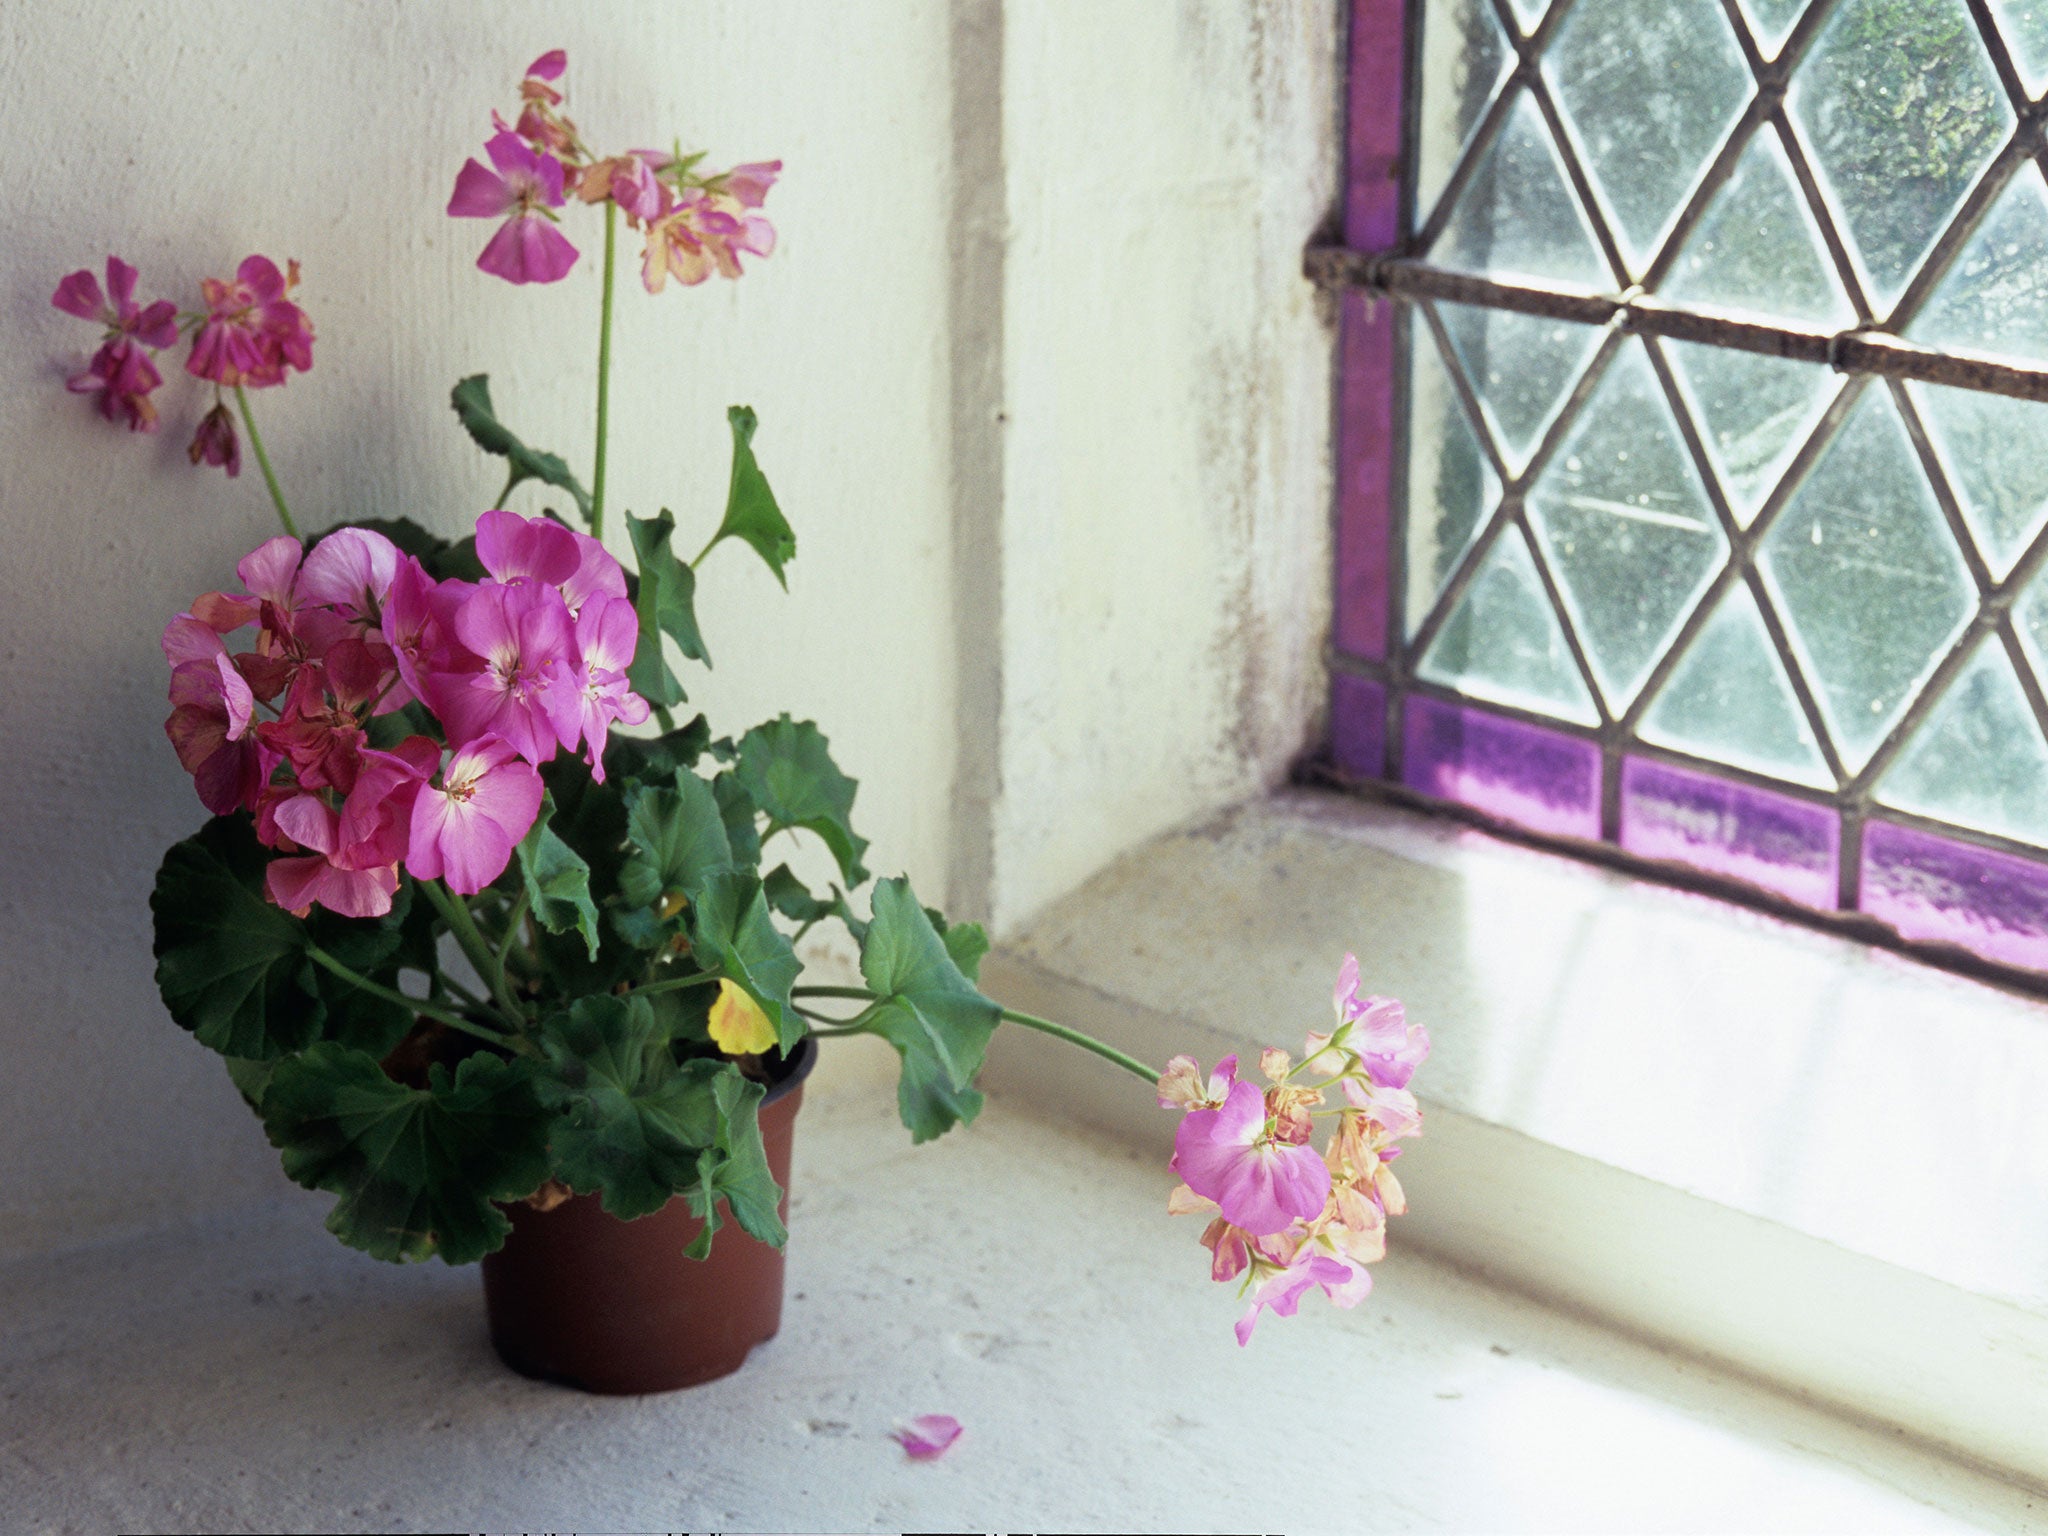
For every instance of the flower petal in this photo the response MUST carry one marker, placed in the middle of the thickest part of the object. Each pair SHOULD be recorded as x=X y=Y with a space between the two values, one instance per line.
x=928 y=1436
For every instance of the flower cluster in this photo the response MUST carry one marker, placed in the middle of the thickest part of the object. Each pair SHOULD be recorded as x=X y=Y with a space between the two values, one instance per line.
x=694 y=223
x=513 y=668
x=1290 y=1219
x=249 y=335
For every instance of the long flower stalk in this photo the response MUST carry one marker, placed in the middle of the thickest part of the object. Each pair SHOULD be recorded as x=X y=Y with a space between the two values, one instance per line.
x=1086 y=1042
x=604 y=371
x=418 y=1005
x=284 y=513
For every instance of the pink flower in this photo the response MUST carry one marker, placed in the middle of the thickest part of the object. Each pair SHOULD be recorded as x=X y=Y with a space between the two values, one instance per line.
x=1282 y=1290
x=589 y=693
x=1388 y=1046
x=703 y=233
x=519 y=632
x=514 y=548
x=79 y=294
x=465 y=828
x=253 y=332
x=1394 y=1110
x=1232 y=1156
x=209 y=727
x=527 y=247
x=352 y=865
x=419 y=625
x=216 y=443
x=750 y=182
x=350 y=571
x=120 y=373
x=928 y=1436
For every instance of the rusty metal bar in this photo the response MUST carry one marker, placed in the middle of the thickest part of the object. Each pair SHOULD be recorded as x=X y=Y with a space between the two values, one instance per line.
x=1859 y=351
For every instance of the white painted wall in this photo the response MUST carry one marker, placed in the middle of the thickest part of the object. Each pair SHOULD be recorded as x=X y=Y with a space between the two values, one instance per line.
x=1036 y=640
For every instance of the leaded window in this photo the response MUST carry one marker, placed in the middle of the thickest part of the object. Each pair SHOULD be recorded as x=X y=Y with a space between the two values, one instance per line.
x=1693 y=470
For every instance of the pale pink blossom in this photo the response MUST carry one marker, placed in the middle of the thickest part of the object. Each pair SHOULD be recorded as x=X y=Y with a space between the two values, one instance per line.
x=1283 y=1289
x=1181 y=1086
x=705 y=232
x=527 y=247
x=465 y=828
x=1231 y=1155
x=350 y=571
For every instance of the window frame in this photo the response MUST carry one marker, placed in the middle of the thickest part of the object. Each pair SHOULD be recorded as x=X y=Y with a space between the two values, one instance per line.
x=1389 y=727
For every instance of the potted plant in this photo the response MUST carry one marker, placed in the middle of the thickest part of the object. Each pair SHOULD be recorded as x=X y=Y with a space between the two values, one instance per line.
x=497 y=950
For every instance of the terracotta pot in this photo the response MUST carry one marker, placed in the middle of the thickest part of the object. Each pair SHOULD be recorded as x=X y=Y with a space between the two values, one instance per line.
x=580 y=1297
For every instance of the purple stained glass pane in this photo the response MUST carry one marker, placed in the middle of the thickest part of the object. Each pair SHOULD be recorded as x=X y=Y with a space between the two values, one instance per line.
x=1930 y=887
x=1772 y=840
x=1372 y=222
x=1365 y=466
x=1540 y=779
x=1358 y=725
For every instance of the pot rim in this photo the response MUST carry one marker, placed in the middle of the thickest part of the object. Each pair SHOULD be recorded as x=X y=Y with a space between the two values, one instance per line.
x=796 y=1066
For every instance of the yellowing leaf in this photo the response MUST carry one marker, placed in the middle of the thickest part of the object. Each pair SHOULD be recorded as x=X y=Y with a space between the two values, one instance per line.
x=739 y=1027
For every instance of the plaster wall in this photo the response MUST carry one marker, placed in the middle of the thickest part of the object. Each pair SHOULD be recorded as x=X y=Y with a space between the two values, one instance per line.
x=1041 y=389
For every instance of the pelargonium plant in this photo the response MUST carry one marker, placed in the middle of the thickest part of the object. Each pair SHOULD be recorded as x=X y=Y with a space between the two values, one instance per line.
x=475 y=921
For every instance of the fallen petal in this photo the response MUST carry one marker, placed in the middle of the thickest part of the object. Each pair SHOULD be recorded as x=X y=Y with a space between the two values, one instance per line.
x=928 y=1436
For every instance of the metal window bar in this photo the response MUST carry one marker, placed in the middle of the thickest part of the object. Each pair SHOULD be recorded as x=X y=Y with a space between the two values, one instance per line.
x=1872 y=353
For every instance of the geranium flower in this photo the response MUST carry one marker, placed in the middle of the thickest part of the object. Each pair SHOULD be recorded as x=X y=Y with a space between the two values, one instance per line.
x=121 y=372
x=1283 y=1288
x=527 y=247
x=519 y=632
x=465 y=828
x=253 y=331
x=704 y=232
x=1181 y=1085
x=589 y=694
x=514 y=548
x=216 y=442
x=212 y=709
x=1231 y=1155
x=350 y=571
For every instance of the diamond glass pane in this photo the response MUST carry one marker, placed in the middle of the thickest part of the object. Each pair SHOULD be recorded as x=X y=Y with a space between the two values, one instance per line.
x=1649 y=93
x=1901 y=109
x=1628 y=532
x=1868 y=580
x=1503 y=642
x=1464 y=60
x=1451 y=486
x=1994 y=299
x=1729 y=701
x=1978 y=760
x=1754 y=413
x=1521 y=367
x=1757 y=249
x=2024 y=26
x=1994 y=450
x=1770 y=21
x=1516 y=217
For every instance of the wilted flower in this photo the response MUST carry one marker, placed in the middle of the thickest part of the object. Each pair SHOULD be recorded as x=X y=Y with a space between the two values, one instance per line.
x=121 y=372
x=216 y=442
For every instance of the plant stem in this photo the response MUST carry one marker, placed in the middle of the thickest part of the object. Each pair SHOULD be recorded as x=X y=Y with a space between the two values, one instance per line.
x=673 y=984
x=511 y=480
x=604 y=371
x=420 y=1006
x=1130 y=1064
x=497 y=979
x=455 y=911
x=284 y=513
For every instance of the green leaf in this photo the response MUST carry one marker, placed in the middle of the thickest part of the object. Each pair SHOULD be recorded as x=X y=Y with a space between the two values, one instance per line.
x=417 y=1169
x=786 y=766
x=655 y=760
x=792 y=898
x=742 y=817
x=227 y=961
x=679 y=842
x=965 y=944
x=557 y=880
x=736 y=1169
x=665 y=598
x=631 y=1123
x=750 y=510
x=472 y=401
x=251 y=1079
x=734 y=936
x=928 y=1009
